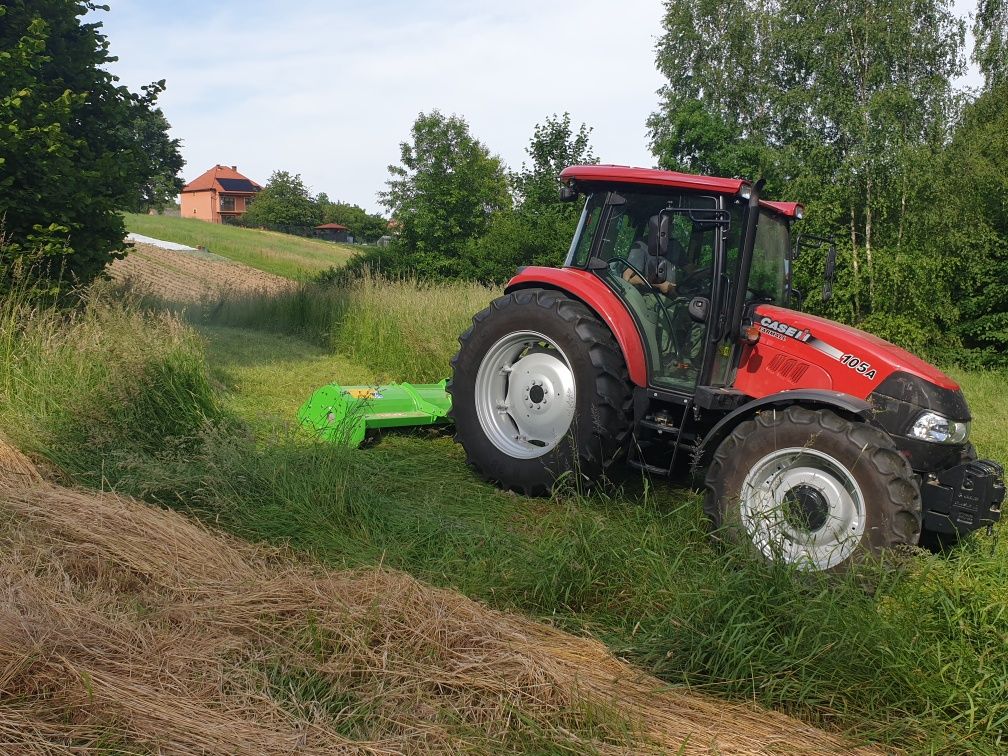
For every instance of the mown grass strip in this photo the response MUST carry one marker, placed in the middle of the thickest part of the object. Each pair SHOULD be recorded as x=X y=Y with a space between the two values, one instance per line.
x=401 y=330
x=282 y=254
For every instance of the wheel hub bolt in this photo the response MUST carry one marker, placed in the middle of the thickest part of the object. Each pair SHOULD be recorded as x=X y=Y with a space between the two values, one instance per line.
x=535 y=395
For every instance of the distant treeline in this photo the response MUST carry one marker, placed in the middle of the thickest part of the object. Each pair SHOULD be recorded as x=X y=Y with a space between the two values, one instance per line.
x=285 y=204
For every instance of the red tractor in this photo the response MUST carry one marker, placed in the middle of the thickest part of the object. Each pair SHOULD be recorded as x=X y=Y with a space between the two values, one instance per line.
x=668 y=337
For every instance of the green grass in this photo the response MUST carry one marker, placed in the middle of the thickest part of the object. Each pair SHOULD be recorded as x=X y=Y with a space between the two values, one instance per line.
x=402 y=330
x=80 y=387
x=282 y=254
x=910 y=655
x=986 y=391
x=267 y=376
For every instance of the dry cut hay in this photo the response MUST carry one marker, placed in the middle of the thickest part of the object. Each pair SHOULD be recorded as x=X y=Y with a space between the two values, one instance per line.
x=16 y=470
x=135 y=628
x=189 y=277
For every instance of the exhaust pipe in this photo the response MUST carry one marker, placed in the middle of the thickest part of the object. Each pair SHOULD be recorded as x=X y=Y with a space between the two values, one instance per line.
x=745 y=264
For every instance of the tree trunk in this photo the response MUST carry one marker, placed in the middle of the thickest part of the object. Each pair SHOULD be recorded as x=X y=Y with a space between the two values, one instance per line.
x=854 y=262
x=868 y=240
x=903 y=201
x=868 y=163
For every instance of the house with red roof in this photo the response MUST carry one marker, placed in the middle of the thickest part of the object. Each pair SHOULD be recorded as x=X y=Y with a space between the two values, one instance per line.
x=219 y=195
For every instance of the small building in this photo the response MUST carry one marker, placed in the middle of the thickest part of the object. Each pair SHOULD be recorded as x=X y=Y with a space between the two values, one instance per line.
x=219 y=195
x=333 y=232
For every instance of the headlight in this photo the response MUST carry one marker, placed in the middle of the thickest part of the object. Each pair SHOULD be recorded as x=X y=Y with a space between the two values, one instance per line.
x=939 y=429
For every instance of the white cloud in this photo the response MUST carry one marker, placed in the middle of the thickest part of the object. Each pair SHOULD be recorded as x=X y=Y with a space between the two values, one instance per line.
x=329 y=90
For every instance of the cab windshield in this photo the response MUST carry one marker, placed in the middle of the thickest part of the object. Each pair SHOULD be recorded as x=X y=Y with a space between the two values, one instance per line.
x=769 y=273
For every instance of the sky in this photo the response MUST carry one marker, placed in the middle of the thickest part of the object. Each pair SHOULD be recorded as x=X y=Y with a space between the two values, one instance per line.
x=330 y=89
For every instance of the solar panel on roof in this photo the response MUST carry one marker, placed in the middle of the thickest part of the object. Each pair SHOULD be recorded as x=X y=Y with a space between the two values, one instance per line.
x=236 y=185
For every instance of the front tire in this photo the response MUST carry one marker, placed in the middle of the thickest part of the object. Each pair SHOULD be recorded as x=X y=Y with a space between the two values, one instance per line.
x=813 y=489
x=539 y=389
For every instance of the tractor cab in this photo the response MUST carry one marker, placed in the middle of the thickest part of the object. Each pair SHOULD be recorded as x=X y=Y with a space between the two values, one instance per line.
x=672 y=253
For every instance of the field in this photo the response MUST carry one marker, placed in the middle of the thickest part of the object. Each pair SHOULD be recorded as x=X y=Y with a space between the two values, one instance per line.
x=194 y=415
x=190 y=277
x=279 y=254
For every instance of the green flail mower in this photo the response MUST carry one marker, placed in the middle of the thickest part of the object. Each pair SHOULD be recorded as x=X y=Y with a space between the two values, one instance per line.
x=346 y=414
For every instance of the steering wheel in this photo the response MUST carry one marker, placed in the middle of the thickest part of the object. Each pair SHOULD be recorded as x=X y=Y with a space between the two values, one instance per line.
x=692 y=281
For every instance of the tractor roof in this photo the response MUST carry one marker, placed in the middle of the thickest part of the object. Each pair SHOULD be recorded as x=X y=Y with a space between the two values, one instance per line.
x=624 y=174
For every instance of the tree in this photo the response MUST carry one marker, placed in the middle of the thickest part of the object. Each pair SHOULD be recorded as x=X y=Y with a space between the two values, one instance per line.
x=716 y=113
x=554 y=146
x=284 y=201
x=71 y=149
x=844 y=106
x=990 y=32
x=363 y=226
x=539 y=227
x=975 y=167
x=875 y=77
x=443 y=194
x=163 y=161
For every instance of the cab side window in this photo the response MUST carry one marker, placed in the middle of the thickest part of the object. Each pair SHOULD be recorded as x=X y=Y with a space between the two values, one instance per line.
x=768 y=277
x=619 y=236
x=585 y=235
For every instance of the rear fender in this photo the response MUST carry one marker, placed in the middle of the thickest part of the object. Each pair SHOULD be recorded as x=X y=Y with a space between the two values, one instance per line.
x=843 y=404
x=591 y=291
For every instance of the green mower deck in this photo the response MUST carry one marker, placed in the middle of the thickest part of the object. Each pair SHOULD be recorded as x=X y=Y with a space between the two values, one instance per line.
x=345 y=414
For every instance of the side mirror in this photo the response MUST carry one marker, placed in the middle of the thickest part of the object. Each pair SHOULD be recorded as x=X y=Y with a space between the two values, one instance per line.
x=567 y=193
x=698 y=309
x=656 y=270
x=658 y=235
x=827 y=289
x=830 y=269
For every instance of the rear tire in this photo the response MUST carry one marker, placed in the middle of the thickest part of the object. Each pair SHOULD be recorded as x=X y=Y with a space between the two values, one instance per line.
x=813 y=489
x=539 y=389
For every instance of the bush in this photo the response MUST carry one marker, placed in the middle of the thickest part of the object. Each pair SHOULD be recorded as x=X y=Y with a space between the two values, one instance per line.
x=75 y=145
x=389 y=262
x=516 y=238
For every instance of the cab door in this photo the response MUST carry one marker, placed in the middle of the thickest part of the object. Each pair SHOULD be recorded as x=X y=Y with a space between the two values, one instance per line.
x=675 y=343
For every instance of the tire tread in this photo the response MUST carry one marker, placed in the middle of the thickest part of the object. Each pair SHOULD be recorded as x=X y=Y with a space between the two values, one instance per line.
x=901 y=513
x=613 y=401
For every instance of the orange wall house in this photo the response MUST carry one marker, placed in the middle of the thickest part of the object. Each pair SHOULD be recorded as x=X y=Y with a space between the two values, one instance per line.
x=218 y=195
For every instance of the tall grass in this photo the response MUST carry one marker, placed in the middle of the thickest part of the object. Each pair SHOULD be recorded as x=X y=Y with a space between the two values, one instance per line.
x=81 y=385
x=403 y=330
x=910 y=654
x=985 y=390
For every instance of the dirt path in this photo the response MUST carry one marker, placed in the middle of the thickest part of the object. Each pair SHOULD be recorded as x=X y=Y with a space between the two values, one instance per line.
x=190 y=277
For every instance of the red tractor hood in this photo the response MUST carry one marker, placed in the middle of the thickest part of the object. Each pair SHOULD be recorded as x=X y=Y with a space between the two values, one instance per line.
x=801 y=351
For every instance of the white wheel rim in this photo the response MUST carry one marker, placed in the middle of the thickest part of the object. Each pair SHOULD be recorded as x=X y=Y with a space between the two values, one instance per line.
x=803 y=507
x=525 y=395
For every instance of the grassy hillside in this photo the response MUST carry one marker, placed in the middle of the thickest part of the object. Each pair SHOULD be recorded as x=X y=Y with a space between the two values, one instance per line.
x=282 y=254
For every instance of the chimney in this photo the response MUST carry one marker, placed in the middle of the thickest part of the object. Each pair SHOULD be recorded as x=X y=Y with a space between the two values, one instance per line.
x=234 y=168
